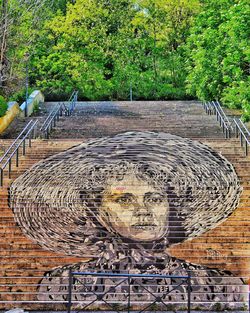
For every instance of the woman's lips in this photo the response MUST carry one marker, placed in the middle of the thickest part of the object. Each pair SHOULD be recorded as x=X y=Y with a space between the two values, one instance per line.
x=144 y=226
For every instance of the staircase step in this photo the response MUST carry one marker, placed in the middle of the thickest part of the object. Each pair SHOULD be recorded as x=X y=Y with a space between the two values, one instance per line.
x=23 y=262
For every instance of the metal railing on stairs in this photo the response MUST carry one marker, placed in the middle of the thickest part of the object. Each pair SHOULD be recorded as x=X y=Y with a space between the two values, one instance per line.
x=219 y=108
x=214 y=108
x=236 y=126
x=133 y=286
x=72 y=102
x=50 y=121
x=55 y=115
x=243 y=133
x=20 y=142
x=30 y=131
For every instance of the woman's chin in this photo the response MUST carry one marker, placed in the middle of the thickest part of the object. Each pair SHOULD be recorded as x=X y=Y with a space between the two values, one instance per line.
x=146 y=234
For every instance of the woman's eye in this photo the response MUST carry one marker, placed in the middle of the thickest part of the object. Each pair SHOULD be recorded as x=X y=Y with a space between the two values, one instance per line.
x=124 y=200
x=154 y=200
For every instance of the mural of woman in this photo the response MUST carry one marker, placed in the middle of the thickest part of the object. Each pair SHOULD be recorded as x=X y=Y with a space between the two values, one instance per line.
x=121 y=201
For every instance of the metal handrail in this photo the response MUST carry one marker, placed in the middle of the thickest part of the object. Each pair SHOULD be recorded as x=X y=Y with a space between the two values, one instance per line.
x=51 y=121
x=73 y=100
x=54 y=116
x=207 y=107
x=240 y=132
x=217 y=104
x=65 y=109
x=15 y=141
x=19 y=144
x=16 y=145
x=107 y=274
x=129 y=279
x=227 y=126
x=245 y=128
x=221 y=120
x=75 y=92
x=51 y=117
x=47 y=119
x=46 y=127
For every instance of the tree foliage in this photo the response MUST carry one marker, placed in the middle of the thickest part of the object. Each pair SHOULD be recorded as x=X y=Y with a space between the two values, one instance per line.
x=163 y=49
x=20 y=24
x=219 y=54
x=103 y=47
x=3 y=106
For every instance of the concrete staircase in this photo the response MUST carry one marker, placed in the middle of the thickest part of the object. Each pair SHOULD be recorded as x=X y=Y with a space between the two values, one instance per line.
x=97 y=119
x=23 y=263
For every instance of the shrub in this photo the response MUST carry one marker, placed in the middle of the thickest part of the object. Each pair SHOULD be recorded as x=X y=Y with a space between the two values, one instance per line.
x=20 y=96
x=36 y=107
x=3 y=106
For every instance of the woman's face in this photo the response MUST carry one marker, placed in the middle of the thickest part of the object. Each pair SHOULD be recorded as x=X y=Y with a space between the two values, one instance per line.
x=135 y=209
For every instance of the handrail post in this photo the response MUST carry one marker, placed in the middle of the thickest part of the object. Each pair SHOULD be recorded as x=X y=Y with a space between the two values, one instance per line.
x=236 y=131
x=30 y=140
x=70 y=291
x=214 y=110
x=241 y=139
x=189 y=292
x=9 y=168
x=17 y=157
x=24 y=147
x=129 y=294
x=34 y=132
x=246 y=148
x=1 y=177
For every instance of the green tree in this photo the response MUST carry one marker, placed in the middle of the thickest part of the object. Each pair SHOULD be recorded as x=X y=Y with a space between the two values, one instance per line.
x=103 y=47
x=3 y=106
x=20 y=25
x=218 y=52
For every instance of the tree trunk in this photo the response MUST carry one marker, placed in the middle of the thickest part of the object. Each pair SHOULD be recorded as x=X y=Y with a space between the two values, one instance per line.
x=3 y=41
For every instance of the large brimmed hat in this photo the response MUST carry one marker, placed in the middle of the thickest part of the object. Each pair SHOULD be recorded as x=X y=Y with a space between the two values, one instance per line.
x=47 y=202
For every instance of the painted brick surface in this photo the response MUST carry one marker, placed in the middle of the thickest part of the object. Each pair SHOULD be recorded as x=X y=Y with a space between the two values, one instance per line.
x=224 y=248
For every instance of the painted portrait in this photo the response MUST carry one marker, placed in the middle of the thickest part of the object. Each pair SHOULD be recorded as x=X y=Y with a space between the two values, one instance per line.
x=121 y=201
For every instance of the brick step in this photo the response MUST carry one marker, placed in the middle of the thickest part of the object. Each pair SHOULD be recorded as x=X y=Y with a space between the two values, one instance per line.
x=238 y=233
x=241 y=171
x=232 y=225
x=15 y=172
x=233 y=151
x=189 y=123
x=66 y=142
x=245 y=199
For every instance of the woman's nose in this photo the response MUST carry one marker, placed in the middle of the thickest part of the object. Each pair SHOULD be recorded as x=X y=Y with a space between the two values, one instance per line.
x=142 y=210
